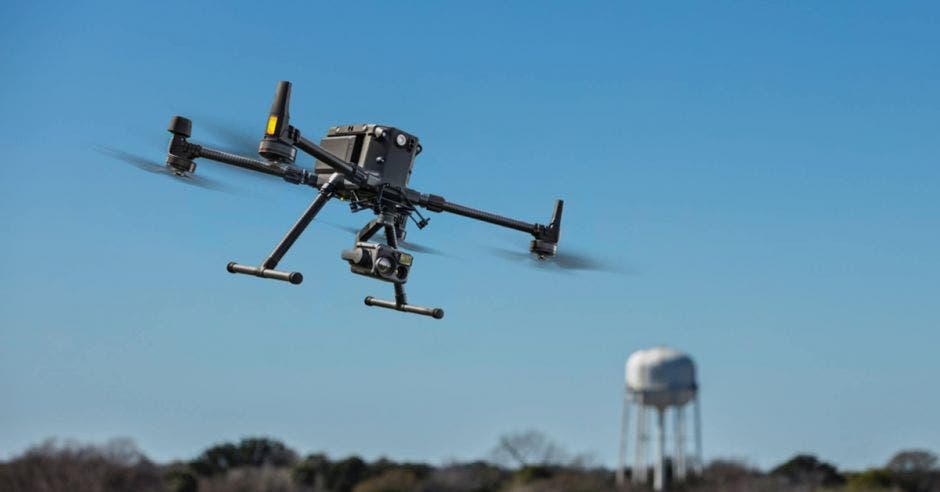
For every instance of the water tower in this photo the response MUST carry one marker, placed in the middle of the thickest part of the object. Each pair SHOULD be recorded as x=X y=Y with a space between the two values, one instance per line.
x=660 y=381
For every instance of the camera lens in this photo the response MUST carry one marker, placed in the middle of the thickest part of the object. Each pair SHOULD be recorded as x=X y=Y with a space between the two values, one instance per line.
x=384 y=266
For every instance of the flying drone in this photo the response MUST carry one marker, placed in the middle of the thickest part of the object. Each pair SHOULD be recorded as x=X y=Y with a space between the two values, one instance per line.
x=369 y=166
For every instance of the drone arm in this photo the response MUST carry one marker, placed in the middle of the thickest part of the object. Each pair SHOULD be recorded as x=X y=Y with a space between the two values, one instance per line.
x=439 y=204
x=239 y=161
x=181 y=153
x=290 y=174
x=546 y=236
x=353 y=173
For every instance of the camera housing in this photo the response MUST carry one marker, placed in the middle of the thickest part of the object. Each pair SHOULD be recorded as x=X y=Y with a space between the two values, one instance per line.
x=379 y=261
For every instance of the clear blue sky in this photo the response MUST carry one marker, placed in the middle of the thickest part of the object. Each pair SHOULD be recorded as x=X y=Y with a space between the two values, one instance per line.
x=769 y=173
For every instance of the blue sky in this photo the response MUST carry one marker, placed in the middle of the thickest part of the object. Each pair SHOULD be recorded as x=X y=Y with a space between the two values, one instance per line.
x=768 y=174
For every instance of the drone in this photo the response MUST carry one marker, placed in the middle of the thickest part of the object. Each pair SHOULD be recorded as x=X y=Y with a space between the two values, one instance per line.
x=366 y=165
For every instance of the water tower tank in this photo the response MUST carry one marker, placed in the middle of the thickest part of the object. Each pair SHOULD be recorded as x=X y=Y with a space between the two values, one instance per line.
x=661 y=376
x=659 y=381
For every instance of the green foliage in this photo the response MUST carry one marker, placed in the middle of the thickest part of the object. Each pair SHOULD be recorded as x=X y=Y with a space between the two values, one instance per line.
x=311 y=471
x=267 y=465
x=806 y=469
x=531 y=473
x=914 y=470
x=728 y=471
x=181 y=480
x=562 y=480
x=870 y=480
x=265 y=452
x=419 y=470
x=253 y=452
x=913 y=461
x=215 y=460
x=343 y=475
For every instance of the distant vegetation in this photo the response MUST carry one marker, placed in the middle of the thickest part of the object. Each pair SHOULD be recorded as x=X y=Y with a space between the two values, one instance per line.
x=523 y=462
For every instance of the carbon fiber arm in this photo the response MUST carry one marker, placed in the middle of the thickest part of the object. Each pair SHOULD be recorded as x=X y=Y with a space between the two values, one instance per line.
x=239 y=161
x=443 y=205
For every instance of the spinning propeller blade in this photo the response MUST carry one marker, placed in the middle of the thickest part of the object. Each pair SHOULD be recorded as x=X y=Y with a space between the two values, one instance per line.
x=151 y=166
x=417 y=248
x=563 y=260
x=234 y=140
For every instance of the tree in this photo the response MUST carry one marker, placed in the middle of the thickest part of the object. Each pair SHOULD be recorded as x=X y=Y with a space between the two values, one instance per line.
x=478 y=476
x=382 y=465
x=912 y=461
x=260 y=451
x=181 y=480
x=253 y=451
x=915 y=470
x=312 y=471
x=395 y=480
x=215 y=460
x=806 y=469
x=51 y=466
x=872 y=479
x=727 y=471
x=529 y=448
x=343 y=475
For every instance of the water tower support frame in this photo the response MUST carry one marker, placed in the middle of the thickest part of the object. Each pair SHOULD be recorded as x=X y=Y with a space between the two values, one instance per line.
x=624 y=431
x=658 y=477
x=639 y=472
x=678 y=431
x=699 y=466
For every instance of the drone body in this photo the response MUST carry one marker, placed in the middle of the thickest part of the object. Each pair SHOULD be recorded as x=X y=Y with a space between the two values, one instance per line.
x=386 y=152
x=367 y=165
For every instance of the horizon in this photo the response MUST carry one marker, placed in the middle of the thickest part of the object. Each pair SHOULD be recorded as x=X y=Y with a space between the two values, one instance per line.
x=765 y=177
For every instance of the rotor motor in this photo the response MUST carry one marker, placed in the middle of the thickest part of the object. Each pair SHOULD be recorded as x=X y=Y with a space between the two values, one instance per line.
x=181 y=128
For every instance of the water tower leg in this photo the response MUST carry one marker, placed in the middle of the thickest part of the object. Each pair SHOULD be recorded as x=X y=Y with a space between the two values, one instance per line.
x=660 y=445
x=624 y=428
x=698 y=437
x=639 y=455
x=679 y=434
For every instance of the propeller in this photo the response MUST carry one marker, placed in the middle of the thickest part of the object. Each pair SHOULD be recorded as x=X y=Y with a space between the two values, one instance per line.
x=417 y=248
x=563 y=260
x=153 y=167
x=234 y=140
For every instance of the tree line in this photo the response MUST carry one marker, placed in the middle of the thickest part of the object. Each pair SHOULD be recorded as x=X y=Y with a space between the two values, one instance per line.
x=520 y=462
